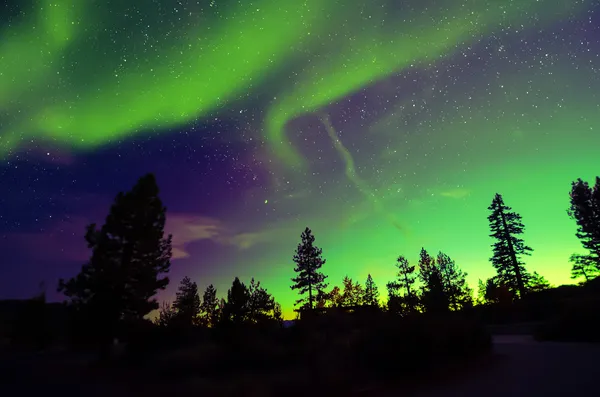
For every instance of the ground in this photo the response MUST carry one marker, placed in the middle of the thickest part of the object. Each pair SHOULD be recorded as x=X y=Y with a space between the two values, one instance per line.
x=519 y=366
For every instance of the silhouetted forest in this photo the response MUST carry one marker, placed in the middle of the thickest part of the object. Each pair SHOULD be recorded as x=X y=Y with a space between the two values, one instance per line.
x=345 y=337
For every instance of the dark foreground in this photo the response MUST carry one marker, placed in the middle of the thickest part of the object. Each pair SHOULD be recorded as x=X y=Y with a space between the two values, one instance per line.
x=519 y=366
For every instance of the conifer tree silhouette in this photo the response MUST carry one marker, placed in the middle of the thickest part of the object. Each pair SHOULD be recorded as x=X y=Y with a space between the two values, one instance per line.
x=506 y=225
x=187 y=303
x=130 y=253
x=371 y=293
x=209 y=309
x=310 y=280
x=585 y=210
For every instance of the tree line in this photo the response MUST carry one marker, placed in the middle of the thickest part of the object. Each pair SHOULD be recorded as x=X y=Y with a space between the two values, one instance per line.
x=438 y=284
x=250 y=304
x=131 y=258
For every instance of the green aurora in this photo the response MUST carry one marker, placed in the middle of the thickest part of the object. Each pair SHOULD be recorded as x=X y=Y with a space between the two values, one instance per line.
x=479 y=105
x=215 y=59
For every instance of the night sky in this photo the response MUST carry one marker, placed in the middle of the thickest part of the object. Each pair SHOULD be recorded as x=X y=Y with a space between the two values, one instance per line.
x=384 y=126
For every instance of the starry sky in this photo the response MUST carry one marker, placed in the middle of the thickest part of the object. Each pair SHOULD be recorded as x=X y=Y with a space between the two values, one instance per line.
x=384 y=126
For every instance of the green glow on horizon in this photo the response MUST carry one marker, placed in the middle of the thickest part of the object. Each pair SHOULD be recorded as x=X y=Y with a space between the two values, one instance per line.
x=516 y=146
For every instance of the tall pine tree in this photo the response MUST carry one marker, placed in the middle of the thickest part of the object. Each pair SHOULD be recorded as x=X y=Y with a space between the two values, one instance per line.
x=506 y=226
x=352 y=293
x=426 y=266
x=401 y=292
x=455 y=283
x=237 y=306
x=371 y=293
x=333 y=298
x=129 y=256
x=585 y=210
x=260 y=303
x=434 y=296
x=584 y=266
x=209 y=309
x=187 y=303
x=310 y=280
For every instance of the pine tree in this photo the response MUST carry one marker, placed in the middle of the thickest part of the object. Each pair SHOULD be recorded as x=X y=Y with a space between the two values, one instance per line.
x=371 y=293
x=236 y=307
x=395 y=303
x=166 y=314
x=352 y=293
x=221 y=310
x=434 y=298
x=426 y=266
x=278 y=314
x=347 y=291
x=187 y=303
x=334 y=297
x=308 y=259
x=490 y=290
x=129 y=254
x=585 y=266
x=359 y=292
x=455 y=283
x=434 y=295
x=481 y=287
x=496 y=292
x=585 y=210
x=401 y=292
x=406 y=275
x=260 y=303
x=209 y=309
x=537 y=282
x=321 y=300
x=505 y=226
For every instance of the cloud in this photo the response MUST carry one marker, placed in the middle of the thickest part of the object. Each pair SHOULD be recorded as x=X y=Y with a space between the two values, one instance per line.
x=62 y=240
x=189 y=228
x=456 y=193
x=247 y=240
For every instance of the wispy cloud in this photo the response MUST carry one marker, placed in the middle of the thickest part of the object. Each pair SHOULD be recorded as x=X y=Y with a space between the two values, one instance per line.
x=456 y=193
x=190 y=228
x=249 y=239
x=62 y=240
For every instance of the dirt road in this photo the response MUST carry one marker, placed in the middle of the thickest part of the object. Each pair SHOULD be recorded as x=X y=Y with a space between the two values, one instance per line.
x=523 y=367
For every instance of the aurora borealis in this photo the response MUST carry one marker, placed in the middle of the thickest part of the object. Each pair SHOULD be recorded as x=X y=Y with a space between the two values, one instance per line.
x=384 y=126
